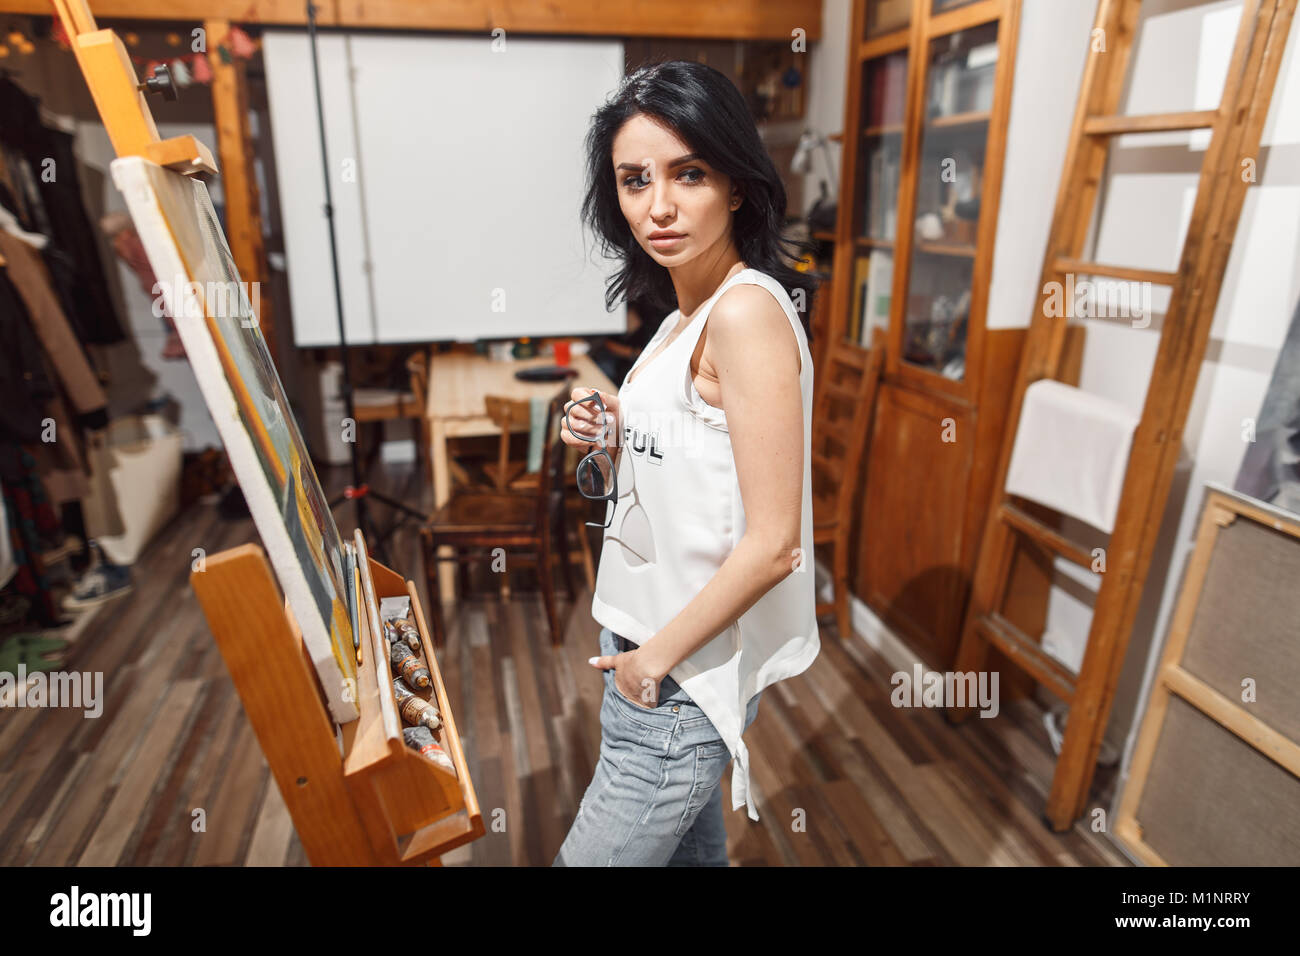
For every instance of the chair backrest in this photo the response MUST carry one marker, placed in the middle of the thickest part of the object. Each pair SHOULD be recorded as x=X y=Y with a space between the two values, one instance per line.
x=417 y=368
x=553 y=457
x=508 y=414
x=842 y=415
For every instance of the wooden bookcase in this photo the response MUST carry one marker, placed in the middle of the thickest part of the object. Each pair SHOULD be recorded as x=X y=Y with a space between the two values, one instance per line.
x=929 y=95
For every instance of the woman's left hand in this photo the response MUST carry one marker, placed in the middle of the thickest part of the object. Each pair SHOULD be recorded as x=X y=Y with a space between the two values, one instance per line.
x=632 y=678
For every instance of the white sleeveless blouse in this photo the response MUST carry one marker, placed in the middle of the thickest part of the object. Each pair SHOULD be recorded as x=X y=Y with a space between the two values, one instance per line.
x=680 y=514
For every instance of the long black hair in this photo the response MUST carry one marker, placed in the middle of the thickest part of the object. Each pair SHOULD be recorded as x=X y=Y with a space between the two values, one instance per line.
x=707 y=112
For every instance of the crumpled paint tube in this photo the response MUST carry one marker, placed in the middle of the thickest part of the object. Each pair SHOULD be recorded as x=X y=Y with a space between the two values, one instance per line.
x=395 y=608
x=420 y=739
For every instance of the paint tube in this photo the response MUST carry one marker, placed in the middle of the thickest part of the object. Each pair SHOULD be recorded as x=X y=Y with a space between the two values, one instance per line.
x=415 y=710
x=421 y=740
x=408 y=666
x=410 y=634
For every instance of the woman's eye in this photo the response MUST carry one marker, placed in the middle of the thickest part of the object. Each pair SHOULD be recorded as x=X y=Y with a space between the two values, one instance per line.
x=636 y=182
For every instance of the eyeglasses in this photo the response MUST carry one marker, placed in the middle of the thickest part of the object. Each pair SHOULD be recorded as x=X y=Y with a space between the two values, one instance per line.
x=596 y=477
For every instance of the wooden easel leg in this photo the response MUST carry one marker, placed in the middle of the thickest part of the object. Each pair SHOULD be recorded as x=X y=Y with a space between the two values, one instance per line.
x=274 y=678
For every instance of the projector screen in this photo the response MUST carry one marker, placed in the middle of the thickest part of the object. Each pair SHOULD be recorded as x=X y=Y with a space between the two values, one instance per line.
x=457 y=181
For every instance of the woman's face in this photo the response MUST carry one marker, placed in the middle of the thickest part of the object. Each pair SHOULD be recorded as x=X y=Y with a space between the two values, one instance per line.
x=662 y=188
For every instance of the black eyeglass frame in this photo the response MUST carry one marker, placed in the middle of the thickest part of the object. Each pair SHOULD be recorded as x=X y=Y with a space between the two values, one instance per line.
x=587 y=460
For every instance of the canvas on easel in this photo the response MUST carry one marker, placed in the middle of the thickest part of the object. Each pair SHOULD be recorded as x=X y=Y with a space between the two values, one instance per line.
x=217 y=324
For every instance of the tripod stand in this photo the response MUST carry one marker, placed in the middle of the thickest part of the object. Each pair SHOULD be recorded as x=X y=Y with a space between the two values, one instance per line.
x=359 y=492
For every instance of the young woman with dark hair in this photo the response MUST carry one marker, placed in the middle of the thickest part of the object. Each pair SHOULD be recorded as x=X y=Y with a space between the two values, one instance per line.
x=705 y=588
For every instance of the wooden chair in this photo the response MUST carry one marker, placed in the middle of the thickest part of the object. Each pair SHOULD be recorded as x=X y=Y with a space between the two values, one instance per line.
x=842 y=415
x=507 y=475
x=417 y=369
x=460 y=465
x=476 y=521
x=510 y=415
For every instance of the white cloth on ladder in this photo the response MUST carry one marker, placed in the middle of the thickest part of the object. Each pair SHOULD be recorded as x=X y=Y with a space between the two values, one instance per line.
x=1071 y=452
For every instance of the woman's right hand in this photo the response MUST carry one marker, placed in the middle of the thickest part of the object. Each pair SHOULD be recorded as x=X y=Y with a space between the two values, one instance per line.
x=584 y=418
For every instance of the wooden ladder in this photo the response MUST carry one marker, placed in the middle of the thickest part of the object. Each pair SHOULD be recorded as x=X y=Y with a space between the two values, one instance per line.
x=1236 y=127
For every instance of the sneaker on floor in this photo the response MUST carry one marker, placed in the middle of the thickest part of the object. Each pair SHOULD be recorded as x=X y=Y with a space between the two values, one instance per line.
x=104 y=582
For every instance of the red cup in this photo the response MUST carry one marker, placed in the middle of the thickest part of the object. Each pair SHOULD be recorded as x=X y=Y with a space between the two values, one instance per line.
x=561 y=353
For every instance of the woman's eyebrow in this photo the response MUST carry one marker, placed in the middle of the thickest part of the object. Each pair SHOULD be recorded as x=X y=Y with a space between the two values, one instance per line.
x=637 y=167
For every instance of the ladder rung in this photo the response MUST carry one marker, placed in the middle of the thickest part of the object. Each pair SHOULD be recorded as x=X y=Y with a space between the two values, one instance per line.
x=1044 y=535
x=853 y=356
x=824 y=462
x=1077 y=266
x=838 y=437
x=841 y=391
x=1028 y=654
x=1150 y=123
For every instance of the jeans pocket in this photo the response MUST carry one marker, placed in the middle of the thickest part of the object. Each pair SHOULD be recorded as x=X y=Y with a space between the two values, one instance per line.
x=711 y=760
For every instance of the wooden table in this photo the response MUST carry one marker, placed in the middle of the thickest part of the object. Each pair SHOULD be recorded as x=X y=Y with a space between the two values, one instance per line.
x=457 y=384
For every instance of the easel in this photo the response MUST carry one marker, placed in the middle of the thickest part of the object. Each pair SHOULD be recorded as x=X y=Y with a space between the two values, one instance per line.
x=375 y=802
x=1235 y=131
x=356 y=793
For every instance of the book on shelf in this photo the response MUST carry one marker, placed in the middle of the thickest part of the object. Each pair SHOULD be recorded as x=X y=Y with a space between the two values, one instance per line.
x=883 y=164
x=880 y=281
x=876 y=192
x=895 y=89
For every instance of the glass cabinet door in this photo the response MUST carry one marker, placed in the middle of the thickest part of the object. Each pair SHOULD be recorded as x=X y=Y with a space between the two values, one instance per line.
x=958 y=101
x=875 y=225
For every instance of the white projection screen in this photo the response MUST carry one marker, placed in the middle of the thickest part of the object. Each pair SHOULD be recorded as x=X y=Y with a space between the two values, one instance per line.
x=457 y=179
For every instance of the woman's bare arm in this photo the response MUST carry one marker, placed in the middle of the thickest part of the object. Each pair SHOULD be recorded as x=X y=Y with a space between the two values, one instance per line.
x=756 y=356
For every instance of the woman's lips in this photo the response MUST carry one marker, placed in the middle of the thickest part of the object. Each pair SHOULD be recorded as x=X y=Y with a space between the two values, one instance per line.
x=666 y=242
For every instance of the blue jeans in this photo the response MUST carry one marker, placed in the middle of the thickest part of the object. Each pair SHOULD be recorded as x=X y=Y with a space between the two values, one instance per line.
x=656 y=796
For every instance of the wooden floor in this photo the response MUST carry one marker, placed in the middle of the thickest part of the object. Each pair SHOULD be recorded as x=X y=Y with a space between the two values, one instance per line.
x=171 y=773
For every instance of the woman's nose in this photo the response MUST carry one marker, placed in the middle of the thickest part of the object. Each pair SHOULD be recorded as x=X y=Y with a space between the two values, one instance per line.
x=660 y=202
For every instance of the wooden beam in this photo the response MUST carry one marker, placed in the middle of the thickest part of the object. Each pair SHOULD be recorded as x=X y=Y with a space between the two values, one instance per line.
x=235 y=147
x=729 y=19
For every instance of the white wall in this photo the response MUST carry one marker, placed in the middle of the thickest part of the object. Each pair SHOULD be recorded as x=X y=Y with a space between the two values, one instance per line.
x=1053 y=44
x=827 y=84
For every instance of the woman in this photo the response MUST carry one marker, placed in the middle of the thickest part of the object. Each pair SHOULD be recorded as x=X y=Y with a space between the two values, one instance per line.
x=705 y=585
